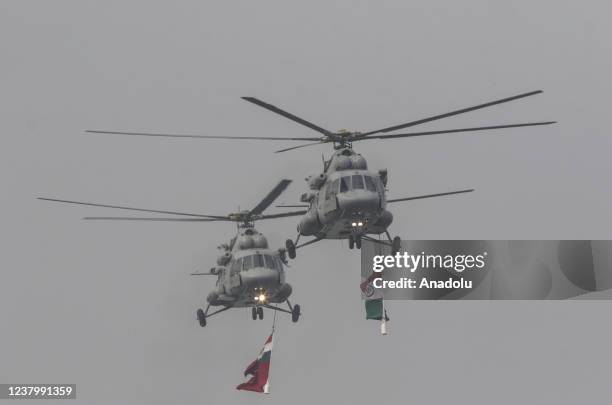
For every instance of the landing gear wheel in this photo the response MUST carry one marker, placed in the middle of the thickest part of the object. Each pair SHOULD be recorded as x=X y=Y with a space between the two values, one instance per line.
x=295 y=313
x=358 y=242
x=260 y=312
x=396 y=245
x=254 y=313
x=290 y=248
x=351 y=242
x=201 y=317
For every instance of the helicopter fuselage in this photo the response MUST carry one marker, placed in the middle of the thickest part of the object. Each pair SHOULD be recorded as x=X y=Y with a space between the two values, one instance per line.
x=347 y=199
x=249 y=273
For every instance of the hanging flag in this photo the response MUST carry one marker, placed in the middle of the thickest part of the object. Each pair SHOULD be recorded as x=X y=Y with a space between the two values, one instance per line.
x=259 y=370
x=373 y=298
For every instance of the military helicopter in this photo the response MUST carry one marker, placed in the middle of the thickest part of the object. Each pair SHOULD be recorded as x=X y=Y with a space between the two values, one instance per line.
x=346 y=200
x=249 y=273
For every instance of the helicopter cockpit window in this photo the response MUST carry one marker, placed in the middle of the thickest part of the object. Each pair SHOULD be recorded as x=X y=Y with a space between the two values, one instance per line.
x=237 y=266
x=258 y=261
x=357 y=182
x=332 y=189
x=370 y=183
x=345 y=183
x=334 y=186
x=247 y=262
x=270 y=262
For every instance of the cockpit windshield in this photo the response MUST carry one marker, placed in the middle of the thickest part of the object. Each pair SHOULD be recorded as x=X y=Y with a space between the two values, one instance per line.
x=271 y=262
x=257 y=260
x=370 y=183
x=345 y=184
x=358 y=182
x=247 y=262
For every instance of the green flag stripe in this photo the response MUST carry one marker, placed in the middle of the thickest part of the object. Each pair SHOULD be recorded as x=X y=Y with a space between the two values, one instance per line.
x=374 y=309
x=265 y=357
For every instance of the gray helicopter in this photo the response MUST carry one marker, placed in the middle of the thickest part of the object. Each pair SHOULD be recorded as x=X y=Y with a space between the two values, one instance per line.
x=249 y=273
x=347 y=201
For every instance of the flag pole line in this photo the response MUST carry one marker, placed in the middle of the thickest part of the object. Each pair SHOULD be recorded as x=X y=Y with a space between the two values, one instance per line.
x=383 y=318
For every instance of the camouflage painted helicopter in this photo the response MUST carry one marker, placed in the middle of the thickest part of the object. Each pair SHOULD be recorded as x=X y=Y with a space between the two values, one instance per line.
x=249 y=273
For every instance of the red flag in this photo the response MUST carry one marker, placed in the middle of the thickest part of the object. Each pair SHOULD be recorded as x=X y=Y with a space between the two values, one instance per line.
x=259 y=370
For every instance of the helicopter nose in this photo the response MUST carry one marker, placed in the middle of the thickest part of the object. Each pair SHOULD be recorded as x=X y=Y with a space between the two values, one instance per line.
x=359 y=200
x=259 y=277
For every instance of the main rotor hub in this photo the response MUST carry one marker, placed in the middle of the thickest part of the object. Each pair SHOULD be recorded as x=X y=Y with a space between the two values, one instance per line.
x=243 y=218
x=343 y=142
x=344 y=138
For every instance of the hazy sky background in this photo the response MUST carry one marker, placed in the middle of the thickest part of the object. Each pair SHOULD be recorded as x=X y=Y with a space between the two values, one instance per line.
x=111 y=307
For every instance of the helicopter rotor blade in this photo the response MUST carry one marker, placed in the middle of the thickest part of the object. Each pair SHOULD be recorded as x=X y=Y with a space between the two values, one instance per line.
x=448 y=131
x=450 y=114
x=430 y=195
x=301 y=146
x=265 y=138
x=269 y=199
x=282 y=215
x=134 y=209
x=154 y=219
x=285 y=114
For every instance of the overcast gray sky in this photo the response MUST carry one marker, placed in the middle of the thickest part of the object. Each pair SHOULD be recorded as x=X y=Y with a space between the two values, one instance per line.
x=111 y=307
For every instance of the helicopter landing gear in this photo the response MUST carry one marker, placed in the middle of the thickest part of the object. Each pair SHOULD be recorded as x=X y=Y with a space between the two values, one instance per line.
x=201 y=317
x=295 y=313
x=257 y=312
x=396 y=244
x=289 y=243
x=354 y=241
x=290 y=248
x=204 y=315
x=294 y=310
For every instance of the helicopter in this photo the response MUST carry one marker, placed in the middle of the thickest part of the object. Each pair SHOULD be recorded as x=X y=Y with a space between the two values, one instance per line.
x=249 y=273
x=346 y=200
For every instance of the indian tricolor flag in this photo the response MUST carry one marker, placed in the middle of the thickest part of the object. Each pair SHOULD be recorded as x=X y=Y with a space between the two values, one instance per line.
x=259 y=370
x=373 y=298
